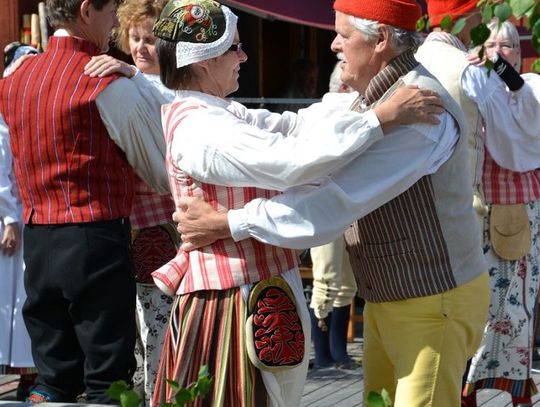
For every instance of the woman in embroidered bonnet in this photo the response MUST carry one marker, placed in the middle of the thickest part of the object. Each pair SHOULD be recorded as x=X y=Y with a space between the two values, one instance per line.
x=239 y=305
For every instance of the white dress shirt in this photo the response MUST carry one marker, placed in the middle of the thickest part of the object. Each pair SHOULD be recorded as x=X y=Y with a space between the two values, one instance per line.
x=314 y=214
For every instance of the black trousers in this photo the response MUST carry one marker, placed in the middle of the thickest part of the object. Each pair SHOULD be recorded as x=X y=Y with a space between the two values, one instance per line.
x=80 y=307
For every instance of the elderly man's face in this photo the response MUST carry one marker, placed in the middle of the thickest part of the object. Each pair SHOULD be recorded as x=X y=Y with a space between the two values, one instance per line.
x=359 y=59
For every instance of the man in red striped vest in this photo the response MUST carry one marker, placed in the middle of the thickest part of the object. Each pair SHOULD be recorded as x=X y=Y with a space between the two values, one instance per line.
x=75 y=139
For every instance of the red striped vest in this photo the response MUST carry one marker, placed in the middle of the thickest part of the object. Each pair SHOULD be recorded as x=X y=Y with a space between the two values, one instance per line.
x=67 y=167
x=225 y=263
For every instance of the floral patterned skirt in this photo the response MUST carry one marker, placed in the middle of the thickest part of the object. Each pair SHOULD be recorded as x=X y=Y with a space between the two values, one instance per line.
x=504 y=358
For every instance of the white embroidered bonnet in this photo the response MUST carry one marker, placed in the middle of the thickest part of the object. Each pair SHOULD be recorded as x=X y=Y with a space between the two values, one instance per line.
x=202 y=29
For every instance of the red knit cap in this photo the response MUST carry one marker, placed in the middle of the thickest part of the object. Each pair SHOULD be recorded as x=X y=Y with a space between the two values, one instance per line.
x=437 y=9
x=397 y=13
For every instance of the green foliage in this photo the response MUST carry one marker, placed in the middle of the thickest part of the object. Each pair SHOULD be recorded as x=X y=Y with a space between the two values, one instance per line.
x=381 y=399
x=487 y=14
x=458 y=26
x=502 y=11
x=521 y=7
x=446 y=22
x=480 y=34
x=125 y=394
x=122 y=392
x=421 y=24
x=535 y=30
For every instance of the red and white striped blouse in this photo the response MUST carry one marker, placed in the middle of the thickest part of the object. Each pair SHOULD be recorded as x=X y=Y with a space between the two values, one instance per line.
x=225 y=263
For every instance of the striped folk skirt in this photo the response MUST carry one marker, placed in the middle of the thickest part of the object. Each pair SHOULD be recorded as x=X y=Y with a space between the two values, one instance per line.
x=208 y=328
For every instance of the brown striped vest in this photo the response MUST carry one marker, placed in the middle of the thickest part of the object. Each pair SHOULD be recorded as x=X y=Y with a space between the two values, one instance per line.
x=426 y=240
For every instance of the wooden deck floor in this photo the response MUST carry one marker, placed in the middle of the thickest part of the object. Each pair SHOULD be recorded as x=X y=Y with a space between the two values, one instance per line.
x=340 y=388
x=324 y=388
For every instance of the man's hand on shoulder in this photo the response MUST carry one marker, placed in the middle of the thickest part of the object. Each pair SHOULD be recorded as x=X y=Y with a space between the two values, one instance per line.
x=199 y=223
x=103 y=65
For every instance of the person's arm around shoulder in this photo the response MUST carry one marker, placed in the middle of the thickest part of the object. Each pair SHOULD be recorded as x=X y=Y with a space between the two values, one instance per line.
x=325 y=141
x=105 y=65
x=133 y=119
x=301 y=220
x=409 y=105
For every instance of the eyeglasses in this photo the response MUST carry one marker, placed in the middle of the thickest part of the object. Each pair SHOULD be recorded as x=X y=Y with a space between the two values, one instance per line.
x=236 y=47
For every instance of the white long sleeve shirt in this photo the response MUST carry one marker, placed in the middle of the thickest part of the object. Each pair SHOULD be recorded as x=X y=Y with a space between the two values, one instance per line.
x=224 y=143
x=511 y=119
x=316 y=213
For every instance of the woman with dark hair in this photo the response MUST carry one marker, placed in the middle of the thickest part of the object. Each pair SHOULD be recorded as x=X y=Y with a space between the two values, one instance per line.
x=239 y=306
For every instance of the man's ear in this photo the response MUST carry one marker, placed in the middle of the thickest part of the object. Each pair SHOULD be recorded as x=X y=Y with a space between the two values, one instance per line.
x=383 y=42
x=85 y=11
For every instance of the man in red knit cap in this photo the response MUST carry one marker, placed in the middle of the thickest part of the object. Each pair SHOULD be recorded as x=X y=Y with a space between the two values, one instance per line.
x=415 y=244
x=74 y=140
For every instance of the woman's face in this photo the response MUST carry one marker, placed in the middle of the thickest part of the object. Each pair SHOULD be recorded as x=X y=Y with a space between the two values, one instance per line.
x=504 y=48
x=225 y=69
x=142 y=47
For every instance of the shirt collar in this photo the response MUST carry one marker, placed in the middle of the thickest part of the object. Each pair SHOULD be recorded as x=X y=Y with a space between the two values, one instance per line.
x=398 y=67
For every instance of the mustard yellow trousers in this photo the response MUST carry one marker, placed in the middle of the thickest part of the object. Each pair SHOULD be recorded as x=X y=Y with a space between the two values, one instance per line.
x=417 y=349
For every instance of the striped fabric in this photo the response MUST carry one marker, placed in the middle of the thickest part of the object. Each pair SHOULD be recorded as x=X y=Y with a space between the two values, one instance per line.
x=225 y=263
x=516 y=388
x=398 y=251
x=399 y=66
x=505 y=187
x=150 y=208
x=207 y=328
x=67 y=167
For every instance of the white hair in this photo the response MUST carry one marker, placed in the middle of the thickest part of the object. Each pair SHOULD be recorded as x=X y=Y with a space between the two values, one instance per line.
x=400 y=39
x=335 y=78
x=508 y=32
